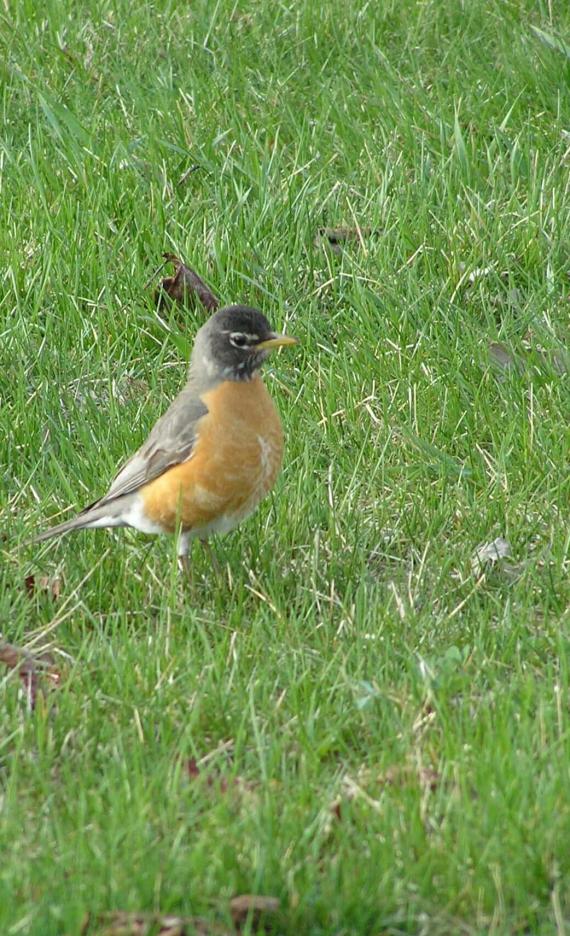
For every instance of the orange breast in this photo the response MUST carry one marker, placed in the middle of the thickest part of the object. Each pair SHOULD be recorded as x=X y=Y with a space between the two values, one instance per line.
x=235 y=463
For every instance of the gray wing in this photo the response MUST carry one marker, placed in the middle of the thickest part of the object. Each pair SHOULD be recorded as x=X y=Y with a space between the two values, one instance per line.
x=171 y=441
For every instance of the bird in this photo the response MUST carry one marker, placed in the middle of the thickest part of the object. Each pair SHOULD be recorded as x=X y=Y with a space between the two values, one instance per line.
x=214 y=454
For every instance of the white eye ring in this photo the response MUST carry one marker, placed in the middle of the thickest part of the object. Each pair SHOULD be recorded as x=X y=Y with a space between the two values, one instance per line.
x=238 y=339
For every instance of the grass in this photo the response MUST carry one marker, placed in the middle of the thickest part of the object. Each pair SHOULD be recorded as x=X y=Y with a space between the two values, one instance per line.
x=353 y=658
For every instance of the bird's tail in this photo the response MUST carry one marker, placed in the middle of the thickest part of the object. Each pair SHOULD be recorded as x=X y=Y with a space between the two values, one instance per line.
x=96 y=516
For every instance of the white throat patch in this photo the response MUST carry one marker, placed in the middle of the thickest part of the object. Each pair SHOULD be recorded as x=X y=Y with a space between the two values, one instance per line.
x=209 y=366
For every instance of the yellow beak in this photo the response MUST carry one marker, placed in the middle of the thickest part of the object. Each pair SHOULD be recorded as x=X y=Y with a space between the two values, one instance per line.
x=278 y=341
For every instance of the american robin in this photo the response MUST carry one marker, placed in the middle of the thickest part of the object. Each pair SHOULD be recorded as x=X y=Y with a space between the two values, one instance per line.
x=214 y=454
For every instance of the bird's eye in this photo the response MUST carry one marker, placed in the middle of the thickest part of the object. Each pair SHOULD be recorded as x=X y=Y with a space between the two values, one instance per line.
x=238 y=340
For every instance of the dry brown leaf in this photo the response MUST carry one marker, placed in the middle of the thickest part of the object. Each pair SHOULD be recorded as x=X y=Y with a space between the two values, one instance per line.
x=42 y=583
x=184 y=285
x=30 y=668
x=253 y=909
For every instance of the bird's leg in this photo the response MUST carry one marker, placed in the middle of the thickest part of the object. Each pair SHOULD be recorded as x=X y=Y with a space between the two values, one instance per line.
x=183 y=552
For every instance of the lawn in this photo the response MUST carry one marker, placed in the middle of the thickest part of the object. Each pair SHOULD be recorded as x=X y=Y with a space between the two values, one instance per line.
x=360 y=719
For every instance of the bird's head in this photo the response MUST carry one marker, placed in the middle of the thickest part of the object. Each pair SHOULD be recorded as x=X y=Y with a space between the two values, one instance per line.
x=234 y=343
